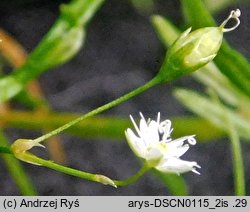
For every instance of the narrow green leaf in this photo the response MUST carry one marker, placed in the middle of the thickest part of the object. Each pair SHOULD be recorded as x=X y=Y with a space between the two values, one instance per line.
x=196 y=15
x=215 y=6
x=213 y=112
x=213 y=78
x=235 y=66
x=166 y=31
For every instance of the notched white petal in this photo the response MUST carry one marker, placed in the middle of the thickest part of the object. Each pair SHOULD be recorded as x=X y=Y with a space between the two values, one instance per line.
x=180 y=141
x=178 y=166
x=176 y=152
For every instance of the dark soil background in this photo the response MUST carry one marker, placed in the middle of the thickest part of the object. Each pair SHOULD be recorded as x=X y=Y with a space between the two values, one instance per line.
x=121 y=52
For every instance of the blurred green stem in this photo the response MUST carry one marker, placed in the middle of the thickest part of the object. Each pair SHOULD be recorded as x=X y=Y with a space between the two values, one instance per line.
x=104 y=127
x=143 y=6
x=238 y=166
x=214 y=6
x=13 y=165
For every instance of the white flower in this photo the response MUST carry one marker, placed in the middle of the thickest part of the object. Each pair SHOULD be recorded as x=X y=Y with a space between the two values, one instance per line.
x=154 y=144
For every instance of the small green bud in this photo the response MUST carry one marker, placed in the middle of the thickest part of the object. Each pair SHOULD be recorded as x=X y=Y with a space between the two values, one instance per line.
x=193 y=50
x=23 y=145
x=20 y=149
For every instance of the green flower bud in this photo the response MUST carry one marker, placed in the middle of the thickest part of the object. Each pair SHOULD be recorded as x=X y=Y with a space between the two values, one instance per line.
x=20 y=150
x=194 y=50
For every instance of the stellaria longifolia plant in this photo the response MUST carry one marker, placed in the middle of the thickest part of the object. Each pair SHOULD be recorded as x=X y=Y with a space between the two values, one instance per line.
x=190 y=51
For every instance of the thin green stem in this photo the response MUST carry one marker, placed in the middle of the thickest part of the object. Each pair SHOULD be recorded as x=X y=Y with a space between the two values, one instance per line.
x=28 y=157
x=238 y=166
x=100 y=109
x=134 y=178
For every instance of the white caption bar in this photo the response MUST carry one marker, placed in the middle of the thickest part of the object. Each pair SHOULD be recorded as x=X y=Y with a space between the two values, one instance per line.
x=126 y=204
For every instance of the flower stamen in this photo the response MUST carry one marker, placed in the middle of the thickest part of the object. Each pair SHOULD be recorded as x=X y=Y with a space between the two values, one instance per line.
x=191 y=140
x=235 y=14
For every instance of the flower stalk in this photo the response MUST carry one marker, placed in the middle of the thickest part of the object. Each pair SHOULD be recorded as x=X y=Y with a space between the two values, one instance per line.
x=20 y=150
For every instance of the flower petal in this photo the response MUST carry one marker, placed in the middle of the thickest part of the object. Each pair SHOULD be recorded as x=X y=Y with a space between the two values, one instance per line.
x=172 y=151
x=135 y=143
x=176 y=165
x=153 y=134
x=180 y=141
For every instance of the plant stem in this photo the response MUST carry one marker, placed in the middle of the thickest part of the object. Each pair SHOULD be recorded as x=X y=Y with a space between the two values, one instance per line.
x=28 y=157
x=238 y=166
x=100 y=109
x=134 y=178
x=70 y=171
